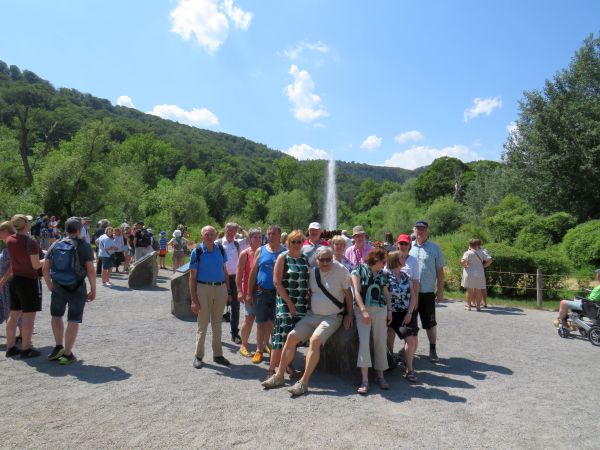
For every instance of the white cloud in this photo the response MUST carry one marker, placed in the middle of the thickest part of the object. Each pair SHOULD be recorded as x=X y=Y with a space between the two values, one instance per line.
x=371 y=143
x=512 y=127
x=125 y=100
x=409 y=136
x=296 y=52
x=418 y=156
x=482 y=106
x=306 y=105
x=196 y=117
x=206 y=20
x=240 y=18
x=305 y=151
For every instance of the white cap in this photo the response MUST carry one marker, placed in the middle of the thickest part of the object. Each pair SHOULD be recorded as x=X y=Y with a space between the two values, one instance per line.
x=314 y=226
x=177 y=233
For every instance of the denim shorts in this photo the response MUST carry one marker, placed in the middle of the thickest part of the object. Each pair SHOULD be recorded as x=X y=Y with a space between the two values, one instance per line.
x=107 y=262
x=62 y=297
x=264 y=306
x=250 y=310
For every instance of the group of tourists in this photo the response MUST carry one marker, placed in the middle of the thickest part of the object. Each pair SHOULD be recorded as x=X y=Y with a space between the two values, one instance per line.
x=303 y=289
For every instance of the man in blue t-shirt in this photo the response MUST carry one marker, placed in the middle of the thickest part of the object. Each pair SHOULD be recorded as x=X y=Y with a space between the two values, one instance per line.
x=431 y=287
x=209 y=293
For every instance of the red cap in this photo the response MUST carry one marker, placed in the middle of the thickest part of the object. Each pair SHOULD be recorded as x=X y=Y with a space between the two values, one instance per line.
x=404 y=238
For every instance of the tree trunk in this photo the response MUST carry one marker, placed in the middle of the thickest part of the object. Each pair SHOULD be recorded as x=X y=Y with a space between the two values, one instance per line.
x=23 y=138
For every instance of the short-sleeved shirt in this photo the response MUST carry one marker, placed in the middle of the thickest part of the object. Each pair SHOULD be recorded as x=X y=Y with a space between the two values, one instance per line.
x=335 y=281
x=233 y=253
x=399 y=286
x=20 y=251
x=357 y=256
x=162 y=243
x=209 y=264
x=371 y=285
x=105 y=242
x=595 y=294
x=430 y=258
x=310 y=250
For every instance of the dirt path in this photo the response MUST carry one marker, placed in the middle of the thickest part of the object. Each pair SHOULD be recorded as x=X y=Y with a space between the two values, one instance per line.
x=505 y=380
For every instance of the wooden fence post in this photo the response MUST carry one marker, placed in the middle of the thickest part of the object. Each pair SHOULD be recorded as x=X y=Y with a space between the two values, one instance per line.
x=538 y=287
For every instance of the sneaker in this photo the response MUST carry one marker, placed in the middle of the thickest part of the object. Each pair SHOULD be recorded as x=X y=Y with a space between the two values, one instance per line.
x=221 y=360
x=58 y=351
x=30 y=353
x=108 y=284
x=67 y=359
x=433 y=355
x=273 y=382
x=257 y=358
x=298 y=389
x=244 y=352
x=13 y=351
x=236 y=339
x=198 y=363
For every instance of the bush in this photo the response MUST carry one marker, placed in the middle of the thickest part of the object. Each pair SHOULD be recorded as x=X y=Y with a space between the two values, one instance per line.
x=453 y=247
x=444 y=216
x=555 y=270
x=513 y=271
x=582 y=244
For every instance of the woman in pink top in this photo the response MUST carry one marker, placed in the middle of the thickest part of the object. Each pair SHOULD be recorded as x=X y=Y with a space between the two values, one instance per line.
x=245 y=262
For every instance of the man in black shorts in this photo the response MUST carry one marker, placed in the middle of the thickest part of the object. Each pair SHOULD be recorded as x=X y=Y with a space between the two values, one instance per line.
x=67 y=263
x=431 y=281
x=25 y=289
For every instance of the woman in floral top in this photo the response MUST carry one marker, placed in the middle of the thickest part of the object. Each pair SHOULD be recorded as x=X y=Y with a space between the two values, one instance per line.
x=373 y=310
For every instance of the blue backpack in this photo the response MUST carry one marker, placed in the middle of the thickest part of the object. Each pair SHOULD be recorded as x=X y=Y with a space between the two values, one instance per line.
x=65 y=266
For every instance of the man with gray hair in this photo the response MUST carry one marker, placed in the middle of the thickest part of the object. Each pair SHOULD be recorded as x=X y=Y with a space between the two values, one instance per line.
x=67 y=263
x=209 y=293
x=331 y=303
x=233 y=248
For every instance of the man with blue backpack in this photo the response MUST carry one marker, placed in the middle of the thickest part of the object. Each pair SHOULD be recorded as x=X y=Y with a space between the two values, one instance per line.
x=66 y=266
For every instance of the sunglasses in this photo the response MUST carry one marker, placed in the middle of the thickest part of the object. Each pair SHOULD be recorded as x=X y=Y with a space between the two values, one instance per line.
x=403 y=243
x=295 y=242
x=325 y=260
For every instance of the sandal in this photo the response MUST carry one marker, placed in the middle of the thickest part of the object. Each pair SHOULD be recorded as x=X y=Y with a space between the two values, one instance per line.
x=410 y=376
x=363 y=388
x=383 y=384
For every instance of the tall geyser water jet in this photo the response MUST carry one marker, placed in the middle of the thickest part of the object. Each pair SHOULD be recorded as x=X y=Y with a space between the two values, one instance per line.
x=330 y=220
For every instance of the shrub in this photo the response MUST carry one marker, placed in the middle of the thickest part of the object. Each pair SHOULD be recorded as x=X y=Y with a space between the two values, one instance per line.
x=582 y=244
x=444 y=216
x=512 y=272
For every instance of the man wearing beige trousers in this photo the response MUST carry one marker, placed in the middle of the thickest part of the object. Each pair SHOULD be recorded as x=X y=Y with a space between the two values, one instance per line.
x=209 y=293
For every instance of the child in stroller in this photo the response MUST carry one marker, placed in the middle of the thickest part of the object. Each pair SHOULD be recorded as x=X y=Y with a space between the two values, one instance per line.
x=581 y=309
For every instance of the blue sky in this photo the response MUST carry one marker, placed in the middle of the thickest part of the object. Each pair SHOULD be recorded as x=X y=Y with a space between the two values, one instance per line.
x=394 y=83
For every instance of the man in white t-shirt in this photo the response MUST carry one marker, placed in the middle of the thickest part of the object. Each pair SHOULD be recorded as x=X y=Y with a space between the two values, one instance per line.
x=233 y=247
x=331 y=303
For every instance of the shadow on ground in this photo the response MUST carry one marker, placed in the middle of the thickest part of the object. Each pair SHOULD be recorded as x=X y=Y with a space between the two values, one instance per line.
x=79 y=369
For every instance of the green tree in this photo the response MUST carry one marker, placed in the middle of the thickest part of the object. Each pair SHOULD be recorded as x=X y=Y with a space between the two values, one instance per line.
x=445 y=176
x=444 y=215
x=291 y=210
x=556 y=147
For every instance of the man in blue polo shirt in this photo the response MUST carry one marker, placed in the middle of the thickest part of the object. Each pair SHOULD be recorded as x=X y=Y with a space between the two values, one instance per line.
x=209 y=293
x=431 y=285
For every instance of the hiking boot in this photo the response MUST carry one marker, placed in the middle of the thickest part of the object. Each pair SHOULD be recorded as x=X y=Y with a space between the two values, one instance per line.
x=244 y=352
x=67 y=359
x=298 y=389
x=433 y=355
x=198 y=363
x=13 y=351
x=257 y=358
x=58 y=351
x=221 y=360
x=273 y=382
x=30 y=353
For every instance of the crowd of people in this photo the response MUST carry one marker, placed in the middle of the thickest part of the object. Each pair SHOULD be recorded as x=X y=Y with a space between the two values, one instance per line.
x=300 y=288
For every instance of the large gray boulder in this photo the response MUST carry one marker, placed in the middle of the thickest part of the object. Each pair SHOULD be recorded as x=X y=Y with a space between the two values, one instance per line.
x=180 y=295
x=340 y=353
x=144 y=273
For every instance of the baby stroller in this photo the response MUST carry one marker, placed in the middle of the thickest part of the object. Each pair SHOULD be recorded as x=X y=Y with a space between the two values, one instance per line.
x=586 y=321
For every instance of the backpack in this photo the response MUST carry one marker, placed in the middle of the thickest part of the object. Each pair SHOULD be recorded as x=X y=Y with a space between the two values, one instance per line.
x=199 y=252
x=144 y=240
x=36 y=228
x=178 y=244
x=65 y=266
x=236 y=243
x=155 y=244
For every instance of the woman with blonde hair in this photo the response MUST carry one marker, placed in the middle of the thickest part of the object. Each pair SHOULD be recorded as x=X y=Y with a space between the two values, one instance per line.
x=474 y=260
x=338 y=243
x=290 y=277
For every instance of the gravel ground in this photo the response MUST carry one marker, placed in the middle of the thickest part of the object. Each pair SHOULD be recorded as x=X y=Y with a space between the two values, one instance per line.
x=505 y=380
